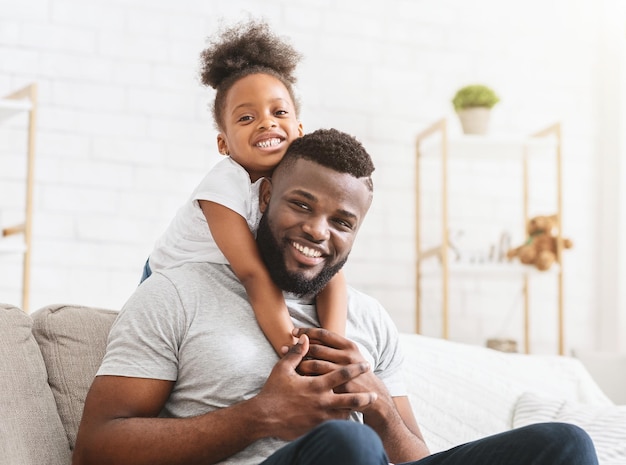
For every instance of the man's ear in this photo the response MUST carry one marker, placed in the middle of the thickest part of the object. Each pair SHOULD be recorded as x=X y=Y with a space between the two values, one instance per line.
x=300 y=129
x=265 y=192
x=222 y=145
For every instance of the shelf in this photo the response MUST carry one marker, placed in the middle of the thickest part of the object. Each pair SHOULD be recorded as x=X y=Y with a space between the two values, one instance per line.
x=10 y=107
x=435 y=144
x=513 y=269
x=24 y=101
x=499 y=147
x=11 y=247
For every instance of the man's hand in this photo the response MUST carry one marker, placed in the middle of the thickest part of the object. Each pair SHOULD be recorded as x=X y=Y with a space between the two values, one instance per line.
x=329 y=351
x=391 y=418
x=294 y=403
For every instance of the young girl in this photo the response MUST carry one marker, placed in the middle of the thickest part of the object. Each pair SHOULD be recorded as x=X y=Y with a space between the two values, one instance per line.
x=256 y=114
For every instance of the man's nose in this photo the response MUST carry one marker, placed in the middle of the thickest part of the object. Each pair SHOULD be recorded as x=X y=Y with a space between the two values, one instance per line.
x=317 y=228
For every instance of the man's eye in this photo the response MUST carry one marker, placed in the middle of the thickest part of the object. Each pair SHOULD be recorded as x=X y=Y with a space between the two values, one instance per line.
x=343 y=224
x=281 y=113
x=300 y=205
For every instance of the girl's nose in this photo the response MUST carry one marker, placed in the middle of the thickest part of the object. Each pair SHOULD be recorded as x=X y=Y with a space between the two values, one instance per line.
x=267 y=123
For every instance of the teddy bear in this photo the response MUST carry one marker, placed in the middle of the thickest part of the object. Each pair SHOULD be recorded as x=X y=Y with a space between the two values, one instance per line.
x=540 y=248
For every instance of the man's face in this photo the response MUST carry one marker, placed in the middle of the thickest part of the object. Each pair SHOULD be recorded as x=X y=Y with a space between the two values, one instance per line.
x=311 y=217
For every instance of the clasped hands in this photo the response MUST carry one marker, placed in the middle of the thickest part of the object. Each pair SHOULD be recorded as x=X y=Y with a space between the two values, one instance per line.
x=322 y=377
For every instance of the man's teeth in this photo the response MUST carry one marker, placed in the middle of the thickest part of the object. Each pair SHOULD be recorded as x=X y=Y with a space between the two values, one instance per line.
x=268 y=143
x=306 y=251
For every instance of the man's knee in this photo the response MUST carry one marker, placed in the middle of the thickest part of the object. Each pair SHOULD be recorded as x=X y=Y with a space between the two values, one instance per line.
x=349 y=431
x=567 y=432
x=349 y=442
x=579 y=438
x=566 y=440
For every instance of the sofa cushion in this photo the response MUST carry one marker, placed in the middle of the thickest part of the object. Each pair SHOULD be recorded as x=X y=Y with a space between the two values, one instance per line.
x=29 y=414
x=605 y=424
x=72 y=340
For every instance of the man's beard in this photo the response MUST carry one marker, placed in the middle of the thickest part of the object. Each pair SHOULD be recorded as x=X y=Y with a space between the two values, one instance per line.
x=295 y=283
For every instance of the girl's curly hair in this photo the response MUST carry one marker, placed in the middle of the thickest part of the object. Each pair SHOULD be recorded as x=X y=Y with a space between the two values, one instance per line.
x=243 y=49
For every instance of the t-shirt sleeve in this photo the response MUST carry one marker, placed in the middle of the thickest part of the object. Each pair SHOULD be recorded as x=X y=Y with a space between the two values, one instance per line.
x=145 y=337
x=391 y=358
x=227 y=184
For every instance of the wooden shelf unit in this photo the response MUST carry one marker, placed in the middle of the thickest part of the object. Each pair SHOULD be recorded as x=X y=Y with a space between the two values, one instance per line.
x=21 y=101
x=447 y=146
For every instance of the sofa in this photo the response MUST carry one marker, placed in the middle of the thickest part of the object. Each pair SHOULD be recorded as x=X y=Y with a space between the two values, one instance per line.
x=459 y=392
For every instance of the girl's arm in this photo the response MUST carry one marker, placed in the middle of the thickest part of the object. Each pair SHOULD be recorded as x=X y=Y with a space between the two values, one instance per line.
x=234 y=238
x=332 y=304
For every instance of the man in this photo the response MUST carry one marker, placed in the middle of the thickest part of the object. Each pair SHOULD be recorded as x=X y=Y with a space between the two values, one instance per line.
x=189 y=377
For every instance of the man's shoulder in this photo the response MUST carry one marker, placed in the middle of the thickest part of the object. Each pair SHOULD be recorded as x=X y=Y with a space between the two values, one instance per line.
x=366 y=311
x=190 y=272
x=192 y=283
x=360 y=298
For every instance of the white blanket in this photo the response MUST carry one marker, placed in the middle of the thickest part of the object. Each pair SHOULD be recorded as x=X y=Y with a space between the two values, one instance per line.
x=461 y=392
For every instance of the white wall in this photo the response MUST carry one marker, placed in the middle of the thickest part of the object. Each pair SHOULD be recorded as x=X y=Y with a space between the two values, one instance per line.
x=611 y=197
x=125 y=133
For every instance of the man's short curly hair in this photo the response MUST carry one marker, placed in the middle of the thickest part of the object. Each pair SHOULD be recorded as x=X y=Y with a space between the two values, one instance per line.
x=333 y=149
x=241 y=50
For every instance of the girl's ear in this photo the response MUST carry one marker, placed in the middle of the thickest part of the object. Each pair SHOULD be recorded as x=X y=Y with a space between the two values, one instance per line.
x=222 y=145
x=265 y=192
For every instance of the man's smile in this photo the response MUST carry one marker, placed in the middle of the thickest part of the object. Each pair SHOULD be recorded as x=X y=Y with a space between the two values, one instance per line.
x=306 y=257
x=306 y=251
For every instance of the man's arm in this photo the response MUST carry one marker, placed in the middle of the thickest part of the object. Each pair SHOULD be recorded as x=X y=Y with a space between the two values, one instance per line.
x=391 y=417
x=120 y=423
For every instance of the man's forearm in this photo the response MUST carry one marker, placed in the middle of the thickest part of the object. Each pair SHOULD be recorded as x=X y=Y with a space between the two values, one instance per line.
x=401 y=443
x=204 y=439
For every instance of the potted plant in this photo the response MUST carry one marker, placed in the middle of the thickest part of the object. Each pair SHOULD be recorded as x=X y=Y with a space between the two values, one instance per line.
x=473 y=104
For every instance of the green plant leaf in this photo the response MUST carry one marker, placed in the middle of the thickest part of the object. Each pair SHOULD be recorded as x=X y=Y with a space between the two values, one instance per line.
x=475 y=95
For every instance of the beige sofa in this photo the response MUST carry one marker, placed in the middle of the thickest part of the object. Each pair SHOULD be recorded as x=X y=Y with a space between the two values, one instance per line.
x=459 y=392
x=47 y=362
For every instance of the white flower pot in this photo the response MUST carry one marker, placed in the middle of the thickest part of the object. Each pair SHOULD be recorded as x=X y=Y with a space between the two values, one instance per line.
x=474 y=120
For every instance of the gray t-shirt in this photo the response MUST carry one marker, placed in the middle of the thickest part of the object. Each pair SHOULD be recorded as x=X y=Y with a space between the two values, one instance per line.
x=194 y=325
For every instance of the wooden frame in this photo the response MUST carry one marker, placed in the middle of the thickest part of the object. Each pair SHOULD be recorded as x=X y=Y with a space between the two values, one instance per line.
x=440 y=127
x=28 y=93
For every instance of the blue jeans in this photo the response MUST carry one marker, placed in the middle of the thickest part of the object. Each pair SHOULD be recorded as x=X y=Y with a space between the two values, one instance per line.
x=146 y=272
x=348 y=443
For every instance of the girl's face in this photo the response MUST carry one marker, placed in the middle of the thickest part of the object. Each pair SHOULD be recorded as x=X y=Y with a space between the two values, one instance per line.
x=259 y=123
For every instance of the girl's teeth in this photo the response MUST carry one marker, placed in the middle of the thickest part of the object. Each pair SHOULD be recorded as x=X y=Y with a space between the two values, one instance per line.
x=268 y=143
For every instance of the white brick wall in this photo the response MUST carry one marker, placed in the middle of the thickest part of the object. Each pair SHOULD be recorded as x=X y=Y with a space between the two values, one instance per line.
x=125 y=133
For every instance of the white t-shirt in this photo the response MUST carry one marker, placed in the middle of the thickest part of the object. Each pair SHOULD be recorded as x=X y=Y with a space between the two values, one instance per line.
x=188 y=238
x=194 y=325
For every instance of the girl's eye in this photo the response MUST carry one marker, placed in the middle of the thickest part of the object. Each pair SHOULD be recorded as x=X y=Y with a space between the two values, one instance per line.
x=245 y=118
